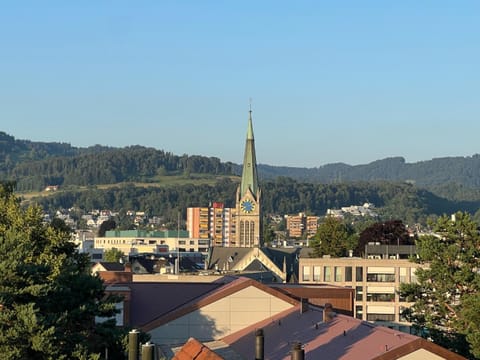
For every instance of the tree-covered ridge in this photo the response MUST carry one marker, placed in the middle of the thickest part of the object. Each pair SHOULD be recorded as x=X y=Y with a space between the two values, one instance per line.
x=34 y=165
x=282 y=196
x=435 y=172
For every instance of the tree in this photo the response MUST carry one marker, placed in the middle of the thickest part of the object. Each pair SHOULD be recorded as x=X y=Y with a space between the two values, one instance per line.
x=105 y=226
x=333 y=238
x=392 y=232
x=48 y=298
x=446 y=297
x=113 y=255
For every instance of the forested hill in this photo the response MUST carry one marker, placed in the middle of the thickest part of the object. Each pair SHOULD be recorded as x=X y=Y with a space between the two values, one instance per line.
x=458 y=170
x=33 y=165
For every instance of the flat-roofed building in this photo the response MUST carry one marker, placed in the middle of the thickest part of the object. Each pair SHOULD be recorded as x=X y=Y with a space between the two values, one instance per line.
x=376 y=283
x=141 y=241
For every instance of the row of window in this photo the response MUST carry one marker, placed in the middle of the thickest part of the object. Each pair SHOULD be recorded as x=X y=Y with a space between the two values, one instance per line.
x=348 y=273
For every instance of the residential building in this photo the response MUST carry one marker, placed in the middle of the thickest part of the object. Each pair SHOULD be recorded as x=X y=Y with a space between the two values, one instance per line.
x=301 y=225
x=376 y=283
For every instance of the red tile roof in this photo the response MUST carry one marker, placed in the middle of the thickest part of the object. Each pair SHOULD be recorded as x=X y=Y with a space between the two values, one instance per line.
x=195 y=350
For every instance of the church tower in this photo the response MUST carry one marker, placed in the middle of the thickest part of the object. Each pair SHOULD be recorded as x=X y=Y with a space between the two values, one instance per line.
x=248 y=209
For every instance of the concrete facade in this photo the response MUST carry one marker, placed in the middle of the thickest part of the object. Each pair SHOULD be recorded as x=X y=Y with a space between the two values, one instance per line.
x=376 y=283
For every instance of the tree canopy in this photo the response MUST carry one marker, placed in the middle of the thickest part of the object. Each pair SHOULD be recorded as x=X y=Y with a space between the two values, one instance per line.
x=334 y=238
x=390 y=232
x=446 y=297
x=48 y=298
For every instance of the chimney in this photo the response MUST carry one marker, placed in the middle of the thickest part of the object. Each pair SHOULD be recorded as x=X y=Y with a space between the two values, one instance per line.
x=259 y=345
x=303 y=305
x=328 y=313
x=297 y=353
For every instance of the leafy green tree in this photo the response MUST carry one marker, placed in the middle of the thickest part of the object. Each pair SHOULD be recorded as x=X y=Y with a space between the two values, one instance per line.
x=48 y=299
x=113 y=255
x=334 y=238
x=447 y=296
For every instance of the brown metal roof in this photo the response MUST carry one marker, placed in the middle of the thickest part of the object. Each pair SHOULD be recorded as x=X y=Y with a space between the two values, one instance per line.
x=151 y=300
x=342 y=338
x=210 y=297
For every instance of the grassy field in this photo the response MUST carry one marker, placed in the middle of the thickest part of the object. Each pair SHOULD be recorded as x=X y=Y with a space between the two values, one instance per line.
x=160 y=181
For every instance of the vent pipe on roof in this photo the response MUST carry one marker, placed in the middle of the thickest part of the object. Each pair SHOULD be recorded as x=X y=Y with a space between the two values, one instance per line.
x=328 y=313
x=133 y=345
x=297 y=353
x=259 y=345
x=303 y=305
x=148 y=351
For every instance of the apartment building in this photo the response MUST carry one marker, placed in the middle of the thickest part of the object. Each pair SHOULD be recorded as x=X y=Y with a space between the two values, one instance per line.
x=301 y=225
x=376 y=281
x=216 y=223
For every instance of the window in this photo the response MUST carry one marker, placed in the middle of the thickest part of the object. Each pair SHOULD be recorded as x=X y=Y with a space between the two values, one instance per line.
x=359 y=293
x=181 y=242
x=359 y=273
x=316 y=273
x=327 y=273
x=306 y=273
x=359 y=312
x=192 y=242
x=380 y=317
x=380 y=297
x=348 y=273
x=338 y=273
x=413 y=276
x=381 y=277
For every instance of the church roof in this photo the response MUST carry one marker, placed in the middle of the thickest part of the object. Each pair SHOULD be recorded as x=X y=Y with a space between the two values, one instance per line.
x=249 y=172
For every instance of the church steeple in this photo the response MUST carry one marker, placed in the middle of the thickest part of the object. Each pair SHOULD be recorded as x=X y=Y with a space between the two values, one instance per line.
x=249 y=173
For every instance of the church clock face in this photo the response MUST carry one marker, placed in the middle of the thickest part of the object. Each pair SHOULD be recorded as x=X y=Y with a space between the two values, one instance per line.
x=247 y=206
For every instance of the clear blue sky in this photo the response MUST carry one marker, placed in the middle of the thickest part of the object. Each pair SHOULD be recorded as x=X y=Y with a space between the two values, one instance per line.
x=331 y=81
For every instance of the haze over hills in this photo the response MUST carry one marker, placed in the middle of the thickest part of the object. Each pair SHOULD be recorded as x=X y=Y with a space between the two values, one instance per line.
x=62 y=164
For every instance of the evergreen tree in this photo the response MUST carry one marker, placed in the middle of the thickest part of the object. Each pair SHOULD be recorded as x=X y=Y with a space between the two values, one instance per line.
x=48 y=299
x=446 y=296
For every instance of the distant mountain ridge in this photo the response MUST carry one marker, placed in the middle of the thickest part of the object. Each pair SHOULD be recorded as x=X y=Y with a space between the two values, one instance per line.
x=463 y=171
x=36 y=164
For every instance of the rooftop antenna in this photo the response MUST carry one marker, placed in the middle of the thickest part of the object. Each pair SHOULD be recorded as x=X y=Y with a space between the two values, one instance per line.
x=250 y=101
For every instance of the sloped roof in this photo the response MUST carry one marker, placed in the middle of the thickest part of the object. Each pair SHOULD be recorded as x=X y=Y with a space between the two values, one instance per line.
x=195 y=350
x=151 y=300
x=111 y=266
x=221 y=256
x=211 y=296
x=343 y=337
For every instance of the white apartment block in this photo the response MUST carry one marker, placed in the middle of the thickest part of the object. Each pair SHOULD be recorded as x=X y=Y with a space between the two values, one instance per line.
x=376 y=283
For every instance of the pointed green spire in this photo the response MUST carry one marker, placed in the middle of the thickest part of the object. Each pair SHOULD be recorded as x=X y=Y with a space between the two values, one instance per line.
x=249 y=173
